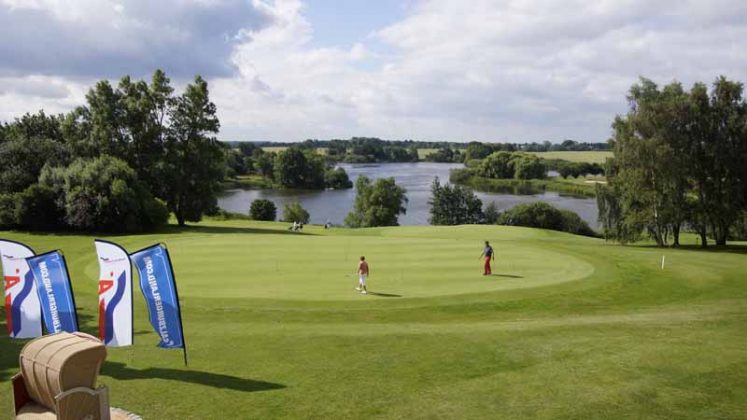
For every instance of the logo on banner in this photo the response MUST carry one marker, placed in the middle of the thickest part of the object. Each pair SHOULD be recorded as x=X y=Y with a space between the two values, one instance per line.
x=14 y=304
x=115 y=294
x=22 y=309
x=159 y=290
x=54 y=291
x=163 y=328
x=106 y=311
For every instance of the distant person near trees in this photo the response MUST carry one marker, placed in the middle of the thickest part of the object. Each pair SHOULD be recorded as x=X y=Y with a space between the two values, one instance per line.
x=362 y=275
x=489 y=255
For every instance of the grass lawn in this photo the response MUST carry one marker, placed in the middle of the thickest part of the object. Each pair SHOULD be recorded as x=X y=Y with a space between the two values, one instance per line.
x=568 y=327
x=591 y=157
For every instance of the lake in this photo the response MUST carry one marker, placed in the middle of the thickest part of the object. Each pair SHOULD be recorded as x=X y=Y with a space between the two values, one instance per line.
x=333 y=206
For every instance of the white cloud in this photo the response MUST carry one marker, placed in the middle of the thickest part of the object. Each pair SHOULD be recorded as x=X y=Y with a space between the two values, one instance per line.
x=453 y=70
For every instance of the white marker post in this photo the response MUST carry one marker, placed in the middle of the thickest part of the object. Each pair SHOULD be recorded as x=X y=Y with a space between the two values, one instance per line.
x=662 y=262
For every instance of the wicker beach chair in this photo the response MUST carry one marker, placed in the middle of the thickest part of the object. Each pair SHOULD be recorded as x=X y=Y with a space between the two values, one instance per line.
x=57 y=379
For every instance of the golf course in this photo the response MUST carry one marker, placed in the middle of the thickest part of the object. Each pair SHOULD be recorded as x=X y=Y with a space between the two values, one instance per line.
x=566 y=327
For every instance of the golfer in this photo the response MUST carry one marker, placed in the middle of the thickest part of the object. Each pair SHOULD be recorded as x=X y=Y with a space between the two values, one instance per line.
x=488 y=254
x=362 y=274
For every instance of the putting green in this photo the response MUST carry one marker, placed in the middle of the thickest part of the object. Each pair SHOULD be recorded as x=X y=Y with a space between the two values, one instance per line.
x=310 y=267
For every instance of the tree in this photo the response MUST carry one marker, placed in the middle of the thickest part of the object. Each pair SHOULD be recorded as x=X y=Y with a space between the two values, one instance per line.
x=499 y=165
x=264 y=163
x=454 y=205
x=36 y=126
x=22 y=160
x=36 y=209
x=236 y=164
x=337 y=179
x=296 y=168
x=294 y=212
x=377 y=204
x=194 y=160
x=491 y=214
x=650 y=176
x=529 y=167
x=476 y=150
x=247 y=148
x=262 y=209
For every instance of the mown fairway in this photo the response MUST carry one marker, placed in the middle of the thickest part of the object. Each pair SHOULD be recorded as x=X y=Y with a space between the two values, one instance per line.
x=569 y=327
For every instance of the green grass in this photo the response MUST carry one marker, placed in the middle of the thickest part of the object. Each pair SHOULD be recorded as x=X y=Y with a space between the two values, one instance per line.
x=572 y=327
x=591 y=157
x=252 y=182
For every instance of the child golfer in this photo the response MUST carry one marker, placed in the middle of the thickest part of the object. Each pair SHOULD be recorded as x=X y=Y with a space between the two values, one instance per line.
x=362 y=274
x=489 y=255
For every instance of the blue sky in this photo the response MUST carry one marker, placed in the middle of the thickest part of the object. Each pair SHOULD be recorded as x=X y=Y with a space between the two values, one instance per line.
x=340 y=22
x=288 y=70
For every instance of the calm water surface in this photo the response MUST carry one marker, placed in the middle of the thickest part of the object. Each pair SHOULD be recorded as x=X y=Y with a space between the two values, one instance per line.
x=332 y=206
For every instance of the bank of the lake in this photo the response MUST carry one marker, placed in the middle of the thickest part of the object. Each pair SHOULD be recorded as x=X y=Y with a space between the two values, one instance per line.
x=333 y=205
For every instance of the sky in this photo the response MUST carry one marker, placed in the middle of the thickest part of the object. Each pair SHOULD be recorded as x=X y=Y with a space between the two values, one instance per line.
x=453 y=70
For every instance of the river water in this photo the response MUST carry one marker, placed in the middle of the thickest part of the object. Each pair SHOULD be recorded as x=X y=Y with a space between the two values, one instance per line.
x=332 y=206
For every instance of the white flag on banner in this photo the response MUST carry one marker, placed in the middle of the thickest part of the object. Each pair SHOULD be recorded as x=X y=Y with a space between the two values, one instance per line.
x=22 y=308
x=115 y=294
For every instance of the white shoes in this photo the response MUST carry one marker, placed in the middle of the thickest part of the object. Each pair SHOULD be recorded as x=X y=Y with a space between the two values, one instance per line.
x=363 y=292
x=358 y=289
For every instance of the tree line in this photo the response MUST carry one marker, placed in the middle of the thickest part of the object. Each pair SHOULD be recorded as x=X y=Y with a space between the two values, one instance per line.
x=294 y=167
x=121 y=162
x=679 y=163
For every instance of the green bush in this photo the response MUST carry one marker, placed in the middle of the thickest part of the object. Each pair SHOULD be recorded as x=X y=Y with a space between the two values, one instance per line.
x=337 y=179
x=7 y=211
x=544 y=216
x=103 y=194
x=529 y=167
x=491 y=214
x=36 y=208
x=294 y=212
x=262 y=209
x=507 y=165
x=497 y=165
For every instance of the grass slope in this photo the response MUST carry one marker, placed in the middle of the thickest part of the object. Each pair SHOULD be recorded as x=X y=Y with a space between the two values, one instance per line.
x=570 y=327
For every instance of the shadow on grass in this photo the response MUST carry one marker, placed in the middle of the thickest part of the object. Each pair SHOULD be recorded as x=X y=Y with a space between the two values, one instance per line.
x=383 y=294
x=729 y=249
x=508 y=276
x=171 y=229
x=215 y=380
x=230 y=229
x=9 y=351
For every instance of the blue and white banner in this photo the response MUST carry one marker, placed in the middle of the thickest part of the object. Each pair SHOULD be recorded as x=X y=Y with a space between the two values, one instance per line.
x=55 y=292
x=159 y=290
x=23 y=313
x=115 y=294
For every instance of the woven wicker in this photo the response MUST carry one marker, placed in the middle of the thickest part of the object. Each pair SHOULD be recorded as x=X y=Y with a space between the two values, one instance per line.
x=58 y=377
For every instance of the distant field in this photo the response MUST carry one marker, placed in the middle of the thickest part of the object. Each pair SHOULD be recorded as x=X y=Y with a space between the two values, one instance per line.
x=275 y=149
x=568 y=327
x=422 y=153
x=591 y=157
